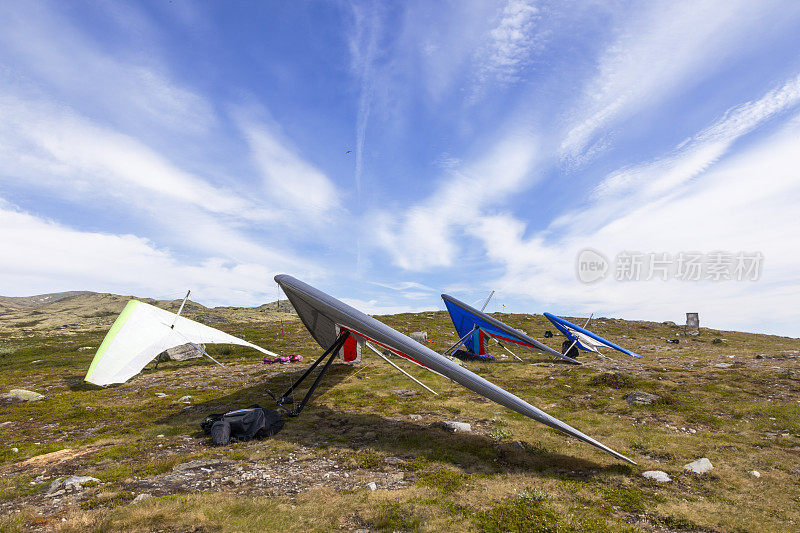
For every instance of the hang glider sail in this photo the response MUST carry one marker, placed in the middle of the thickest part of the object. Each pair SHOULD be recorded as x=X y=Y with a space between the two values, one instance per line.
x=143 y=331
x=583 y=338
x=475 y=326
x=335 y=325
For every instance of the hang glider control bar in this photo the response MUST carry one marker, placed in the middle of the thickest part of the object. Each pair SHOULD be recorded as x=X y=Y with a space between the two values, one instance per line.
x=287 y=399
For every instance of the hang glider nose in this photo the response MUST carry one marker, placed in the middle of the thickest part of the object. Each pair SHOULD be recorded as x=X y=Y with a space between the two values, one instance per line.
x=324 y=316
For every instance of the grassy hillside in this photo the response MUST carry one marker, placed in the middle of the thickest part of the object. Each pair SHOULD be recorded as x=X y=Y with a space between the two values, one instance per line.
x=369 y=424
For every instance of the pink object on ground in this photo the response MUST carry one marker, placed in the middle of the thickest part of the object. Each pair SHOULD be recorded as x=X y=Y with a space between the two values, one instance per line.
x=296 y=358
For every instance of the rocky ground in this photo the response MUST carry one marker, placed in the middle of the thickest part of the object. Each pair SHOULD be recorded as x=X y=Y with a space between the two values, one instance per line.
x=373 y=451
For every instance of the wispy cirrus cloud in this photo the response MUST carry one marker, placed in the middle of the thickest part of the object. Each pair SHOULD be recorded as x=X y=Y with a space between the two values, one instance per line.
x=655 y=55
x=424 y=236
x=511 y=43
x=363 y=45
x=289 y=181
x=48 y=145
x=701 y=197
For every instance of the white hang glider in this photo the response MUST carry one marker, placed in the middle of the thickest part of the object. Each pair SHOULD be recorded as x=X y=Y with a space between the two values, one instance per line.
x=143 y=331
x=338 y=327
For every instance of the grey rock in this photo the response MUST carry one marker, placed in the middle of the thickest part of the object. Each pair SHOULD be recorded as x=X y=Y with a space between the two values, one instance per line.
x=415 y=417
x=455 y=427
x=723 y=365
x=69 y=484
x=211 y=320
x=6 y=424
x=406 y=393
x=641 y=398
x=141 y=497
x=372 y=485
x=419 y=336
x=755 y=473
x=657 y=475
x=717 y=341
x=23 y=395
x=192 y=465
x=395 y=461
x=185 y=399
x=701 y=466
x=181 y=353
x=160 y=395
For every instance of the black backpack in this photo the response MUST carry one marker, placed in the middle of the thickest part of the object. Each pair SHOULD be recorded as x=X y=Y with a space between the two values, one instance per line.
x=242 y=425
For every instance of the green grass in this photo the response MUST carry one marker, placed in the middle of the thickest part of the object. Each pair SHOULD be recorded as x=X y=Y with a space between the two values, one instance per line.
x=508 y=474
x=519 y=514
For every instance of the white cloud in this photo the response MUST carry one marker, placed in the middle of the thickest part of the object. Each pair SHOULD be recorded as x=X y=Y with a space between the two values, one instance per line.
x=374 y=307
x=43 y=44
x=291 y=182
x=512 y=42
x=404 y=286
x=47 y=145
x=694 y=200
x=657 y=54
x=45 y=256
x=423 y=236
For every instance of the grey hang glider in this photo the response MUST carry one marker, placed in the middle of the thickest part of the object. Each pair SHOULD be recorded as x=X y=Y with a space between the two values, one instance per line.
x=474 y=327
x=338 y=327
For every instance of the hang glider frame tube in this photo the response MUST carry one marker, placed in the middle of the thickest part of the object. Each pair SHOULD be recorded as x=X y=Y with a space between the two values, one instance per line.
x=418 y=382
x=459 y=341
x=321 y=313
x=330 y=353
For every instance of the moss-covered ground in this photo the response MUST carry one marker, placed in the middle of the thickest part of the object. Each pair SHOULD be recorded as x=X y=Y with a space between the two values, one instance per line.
x=508 y=474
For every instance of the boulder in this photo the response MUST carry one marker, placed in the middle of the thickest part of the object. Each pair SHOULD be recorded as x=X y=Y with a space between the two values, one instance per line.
x=455 y=427
x=755 y=473
x=211 y=320
x=372 y=485
x=641 y=398
x=69 y=484
x=717 y=341
x=23 y=395
x=181 y=353
x=141 y=497
x=701 y=466
x=723 y=365
x=419 y=336
x=657 y=475
x=406 y=393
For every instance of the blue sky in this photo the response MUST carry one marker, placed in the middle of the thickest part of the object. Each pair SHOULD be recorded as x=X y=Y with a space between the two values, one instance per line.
x=388 y=152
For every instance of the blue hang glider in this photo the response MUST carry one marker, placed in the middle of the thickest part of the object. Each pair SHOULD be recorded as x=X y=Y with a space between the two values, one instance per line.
x=475 y=328
x=582 y=338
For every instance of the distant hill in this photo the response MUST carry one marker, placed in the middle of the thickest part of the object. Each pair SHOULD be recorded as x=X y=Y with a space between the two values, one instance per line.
x=40 y=300
x=88 y=311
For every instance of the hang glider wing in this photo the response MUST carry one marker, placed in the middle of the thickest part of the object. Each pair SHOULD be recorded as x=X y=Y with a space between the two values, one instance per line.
x=143 y=331
x=584 y=339
x=467 y=319
x=325 y=317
